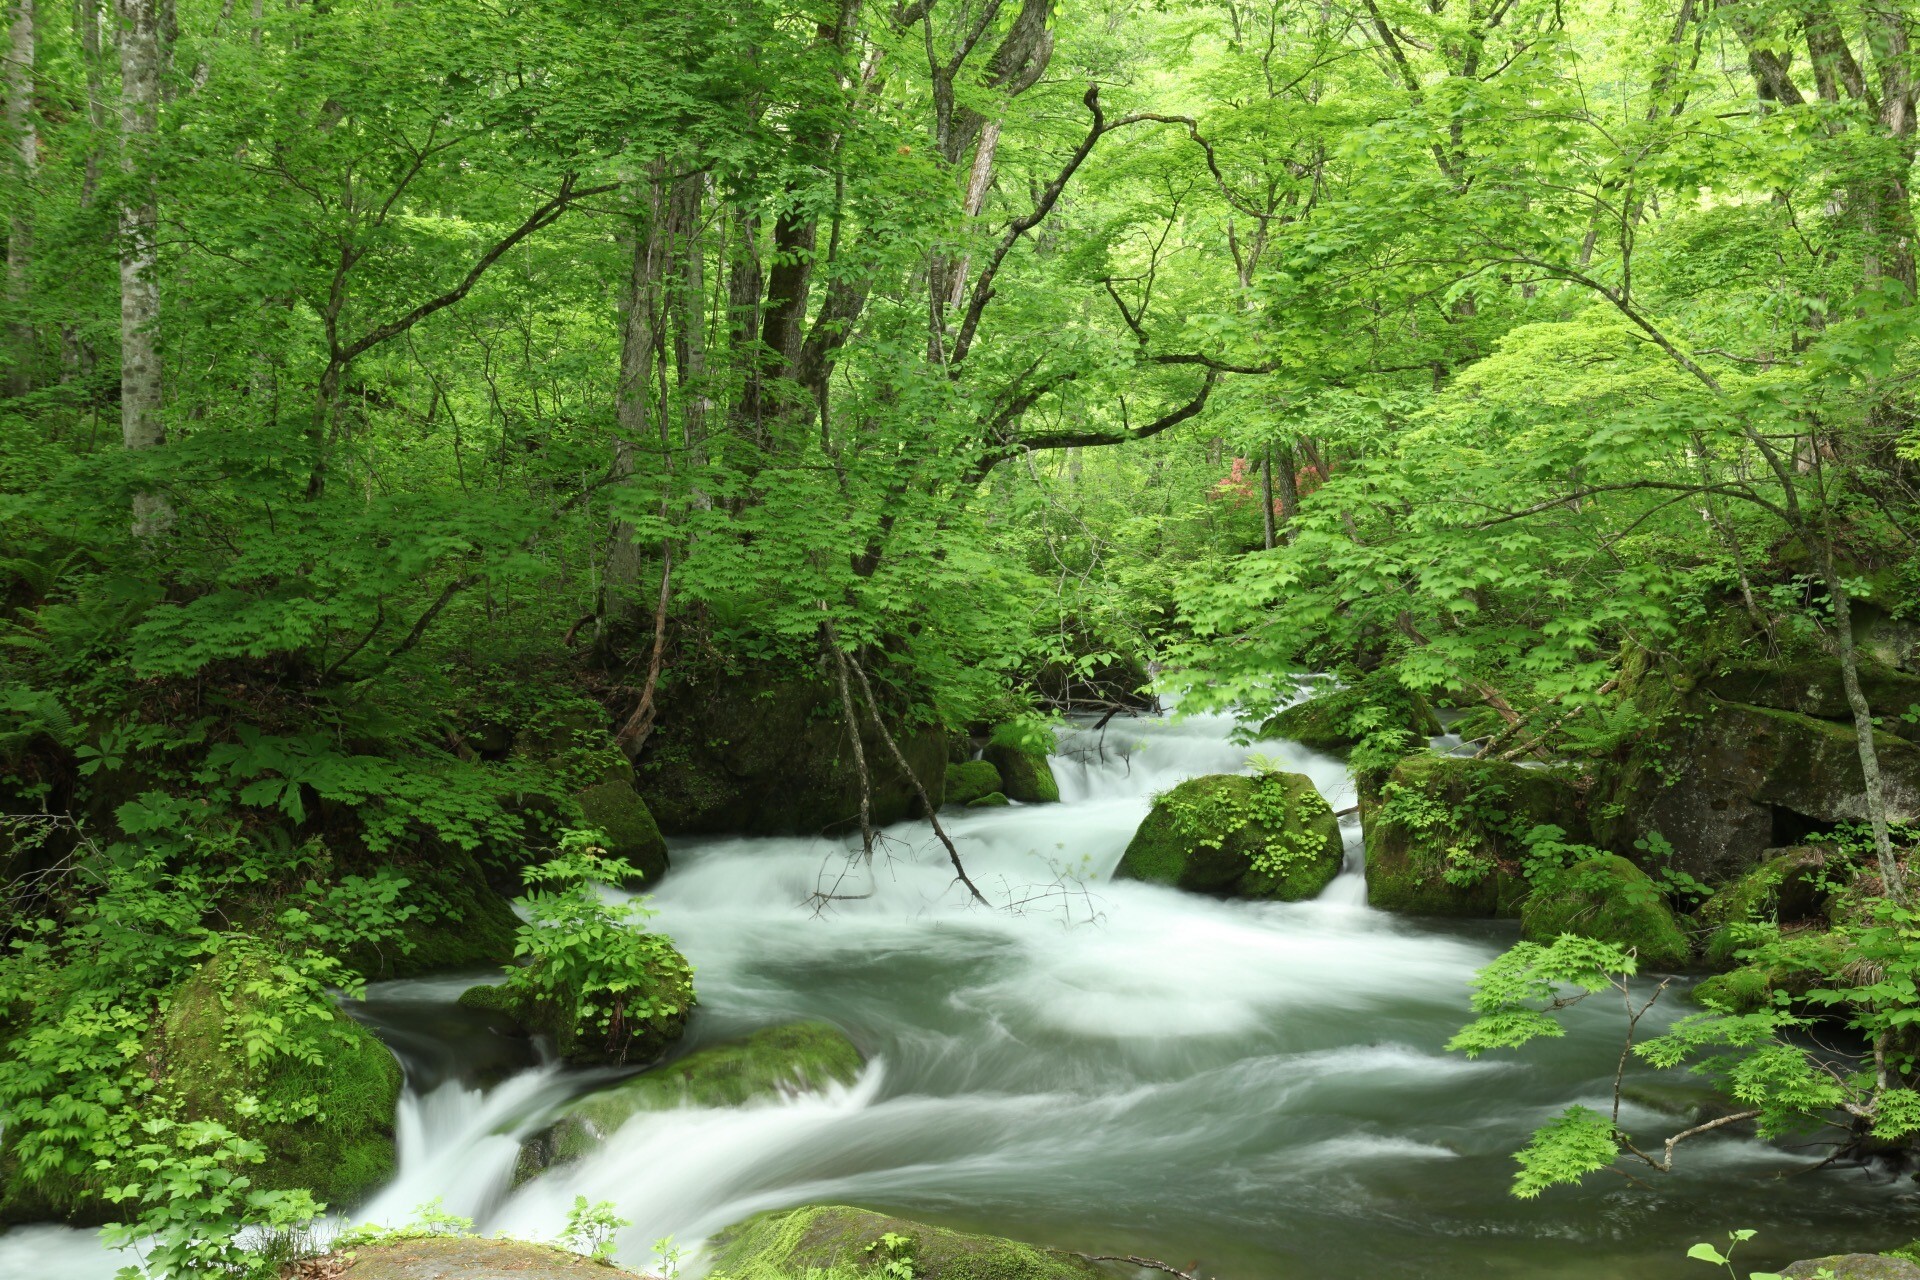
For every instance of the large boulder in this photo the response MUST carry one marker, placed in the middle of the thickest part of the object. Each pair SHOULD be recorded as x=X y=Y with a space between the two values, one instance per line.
x=757 y=755
x=462 y=1258
x=1446 y=835
x=1268 y=836
x=1852 y=1266
x=616 y=810
x=970 y=781
x=1814 y=688
x=654 y=1014
x=1610 y=899
x=1722 y=782
x=858 y=1242
x=801 y=1057
x=1788 y=887
x=1021 y=759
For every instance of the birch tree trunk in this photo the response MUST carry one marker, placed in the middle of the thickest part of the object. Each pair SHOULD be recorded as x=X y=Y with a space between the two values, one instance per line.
x=140 y=424
x=23 y=137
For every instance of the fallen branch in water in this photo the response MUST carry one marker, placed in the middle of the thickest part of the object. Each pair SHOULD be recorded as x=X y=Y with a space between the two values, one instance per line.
x=1150 y=1263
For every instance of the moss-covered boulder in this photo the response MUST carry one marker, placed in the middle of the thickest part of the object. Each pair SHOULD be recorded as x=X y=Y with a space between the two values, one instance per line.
x=1852 y=1266
x=1814 y=688
x=1610 y=899
x=1795 y=963
x=1020 y=756
x=849 y=1241
x=665 y=993
x=618 y=812
x=464 y=1258
x=801 y=1057
x=463 y=922
x=757 y=754
x=1723 y=782
x=1446 y=835
x=1786 y=888
x=1340 y=717
x=341 y=1144
x=1269 y=836
x=992 y=800
x=968 y=782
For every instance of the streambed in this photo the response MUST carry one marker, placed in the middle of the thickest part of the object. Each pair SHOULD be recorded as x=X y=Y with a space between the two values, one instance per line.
x=1256 y=1090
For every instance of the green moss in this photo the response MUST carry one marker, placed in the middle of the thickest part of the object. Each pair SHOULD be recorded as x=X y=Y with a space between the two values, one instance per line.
x=1794 y=964
x=1024 y=772
x=1782 y=889
x=1610 y=899
x=616 y=809
x=344 y=1149
x=992 y=800
x=968 y=782
x=801 y=1057
x=1446 y=835
x=1340 y=718
x=1814 y=689
x=775 y=1246
x=1267 y=837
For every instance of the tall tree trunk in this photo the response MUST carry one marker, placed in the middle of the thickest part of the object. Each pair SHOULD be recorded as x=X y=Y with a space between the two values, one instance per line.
x=689 y=311
x=23 y=136
x=141 y=53
x=639 y=334
x=1266 y=499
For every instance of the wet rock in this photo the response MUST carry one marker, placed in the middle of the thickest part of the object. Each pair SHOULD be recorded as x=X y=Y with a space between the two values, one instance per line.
x=1723 y=782
x=1022 y=762
x=1446 y=835
x=794 y=1242
x=1852 y=1266
x=992 y=800
x=1270 y=836
x=470 y=1258
x=755 y=755
x=802 y=1057
x=1339 y=718
x=616 y=810
x=1609 y=899
x=968 y=782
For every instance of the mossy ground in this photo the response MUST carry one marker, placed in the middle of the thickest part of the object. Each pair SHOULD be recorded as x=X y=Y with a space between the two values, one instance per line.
x=1271 y=836
x=788 y=1243
x=1797 y=963
x=970 y=781
x=1610 y=899
x=795 y=1058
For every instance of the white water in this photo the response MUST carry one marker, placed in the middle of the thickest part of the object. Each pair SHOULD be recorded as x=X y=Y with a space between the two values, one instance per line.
x=1115 y=1067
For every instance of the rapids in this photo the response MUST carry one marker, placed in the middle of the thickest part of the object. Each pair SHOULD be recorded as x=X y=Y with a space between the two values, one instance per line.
x=1256 y=1090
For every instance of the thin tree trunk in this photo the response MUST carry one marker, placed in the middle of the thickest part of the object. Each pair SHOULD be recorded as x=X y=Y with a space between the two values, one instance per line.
x=140 y=423
x=1289 y=490
x=639 y=334
x=23 y=134
x=1891 y=878
x=690 y=336
x=1266 y=498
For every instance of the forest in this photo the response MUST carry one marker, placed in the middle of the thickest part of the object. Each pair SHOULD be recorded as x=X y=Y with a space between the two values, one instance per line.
x=959 y=639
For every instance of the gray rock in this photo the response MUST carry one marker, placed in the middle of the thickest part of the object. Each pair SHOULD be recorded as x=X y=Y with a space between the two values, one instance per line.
x=1852 y=1266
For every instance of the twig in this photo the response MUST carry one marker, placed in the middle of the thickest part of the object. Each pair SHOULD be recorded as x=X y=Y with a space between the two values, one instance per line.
x=1153 y=1264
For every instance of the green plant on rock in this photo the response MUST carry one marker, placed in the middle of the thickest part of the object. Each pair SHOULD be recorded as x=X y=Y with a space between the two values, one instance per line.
x=591 y=1228
x=610 y=988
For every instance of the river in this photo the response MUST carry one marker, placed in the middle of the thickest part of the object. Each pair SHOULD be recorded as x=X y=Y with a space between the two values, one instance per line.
x=1255 y=1090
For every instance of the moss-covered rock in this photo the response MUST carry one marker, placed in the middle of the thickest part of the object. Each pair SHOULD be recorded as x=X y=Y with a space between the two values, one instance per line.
x=667 y=988
x=1786 y=888
x=1795 y=963
x=1270 y=836
x=1852 y=1266
x=573 y=737
x=968 y=782
x=801 y=1057
x=1814 y=689
x=992 y=800
x=467 y=1258
x=1022 y=763
x=1339 y=718
x=1610 y=899
x=758 y=755
x=463 y=922
x=1446 y=835
x=1722 y=782
x=617 y=810
x=791 y=1242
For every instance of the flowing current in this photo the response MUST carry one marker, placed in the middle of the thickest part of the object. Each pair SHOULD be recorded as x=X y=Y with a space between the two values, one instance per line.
x=1254 y=1090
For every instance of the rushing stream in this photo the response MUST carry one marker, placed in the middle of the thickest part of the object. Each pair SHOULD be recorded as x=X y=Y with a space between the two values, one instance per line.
x=1256 y=1089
